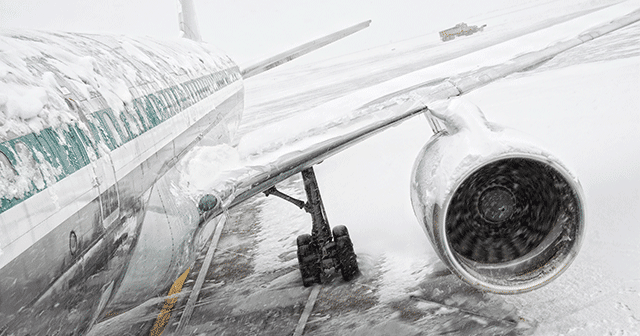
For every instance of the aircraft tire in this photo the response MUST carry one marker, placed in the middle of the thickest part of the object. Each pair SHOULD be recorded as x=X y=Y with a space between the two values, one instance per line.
x=340 y=231
x=308 y=261
x=345 y=254
x=304 y=239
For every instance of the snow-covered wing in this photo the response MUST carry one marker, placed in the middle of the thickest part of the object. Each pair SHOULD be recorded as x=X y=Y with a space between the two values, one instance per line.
x=291 y=54
x=275 y=152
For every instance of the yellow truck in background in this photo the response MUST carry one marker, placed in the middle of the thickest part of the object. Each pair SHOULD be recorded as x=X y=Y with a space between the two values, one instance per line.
x=459 y=30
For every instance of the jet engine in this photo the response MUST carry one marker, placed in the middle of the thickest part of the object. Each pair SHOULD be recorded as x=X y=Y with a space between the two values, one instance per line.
x=502 y=213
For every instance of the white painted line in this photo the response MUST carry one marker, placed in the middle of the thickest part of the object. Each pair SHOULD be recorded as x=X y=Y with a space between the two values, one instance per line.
x=193 y=298
x=307 y=310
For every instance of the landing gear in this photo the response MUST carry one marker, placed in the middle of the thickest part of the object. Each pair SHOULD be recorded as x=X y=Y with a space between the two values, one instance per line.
x=309 y=260
x=347 y=262
x=320 y=251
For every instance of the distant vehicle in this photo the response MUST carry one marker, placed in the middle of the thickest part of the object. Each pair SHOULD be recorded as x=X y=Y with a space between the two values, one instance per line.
x=459 y=30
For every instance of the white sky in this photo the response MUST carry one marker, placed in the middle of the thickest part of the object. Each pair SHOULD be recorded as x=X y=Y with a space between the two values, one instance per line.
x=252 y=29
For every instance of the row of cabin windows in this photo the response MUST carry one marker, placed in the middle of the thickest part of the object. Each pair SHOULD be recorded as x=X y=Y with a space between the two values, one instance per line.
x=71 y=153
x=153 y=109
x=8 y=173
x=42 y=157
x=66 y=151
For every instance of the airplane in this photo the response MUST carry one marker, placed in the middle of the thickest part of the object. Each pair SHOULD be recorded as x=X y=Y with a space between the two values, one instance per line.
x=92 y=224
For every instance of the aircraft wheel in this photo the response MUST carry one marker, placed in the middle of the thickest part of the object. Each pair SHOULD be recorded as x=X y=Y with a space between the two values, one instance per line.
x=304 y=239
x=344 y=253
x=308 y=260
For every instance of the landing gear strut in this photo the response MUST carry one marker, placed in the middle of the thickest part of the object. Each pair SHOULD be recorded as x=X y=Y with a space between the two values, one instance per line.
x=322 y=249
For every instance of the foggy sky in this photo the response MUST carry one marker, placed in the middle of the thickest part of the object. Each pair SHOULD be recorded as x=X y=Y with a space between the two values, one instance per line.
x=251 y=29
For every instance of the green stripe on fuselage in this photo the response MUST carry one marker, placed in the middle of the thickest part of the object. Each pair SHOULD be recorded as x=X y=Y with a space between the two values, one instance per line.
x=72 y=153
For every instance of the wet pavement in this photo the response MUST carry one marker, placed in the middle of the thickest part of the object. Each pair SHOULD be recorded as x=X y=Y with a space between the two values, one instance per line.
x=241 y=297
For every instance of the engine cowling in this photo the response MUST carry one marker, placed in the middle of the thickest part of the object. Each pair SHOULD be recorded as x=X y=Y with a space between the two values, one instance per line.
x=501 y=212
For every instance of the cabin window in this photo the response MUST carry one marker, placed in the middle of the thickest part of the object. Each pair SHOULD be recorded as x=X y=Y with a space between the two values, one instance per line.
x=203 y=86
x=168 y=105
x=195 y=90
x=7 y=172
x=124 y=120
x=76 y=148
x=210 y=83
x=200 y=88
x=192 y=89
x=140 y=111
x=131 y=122
x=112 y=136
x=29 y=166
x=146 y=109
x=158 y=105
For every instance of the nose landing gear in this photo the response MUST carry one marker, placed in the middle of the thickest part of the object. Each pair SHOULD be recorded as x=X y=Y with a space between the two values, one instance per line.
x=323 y=249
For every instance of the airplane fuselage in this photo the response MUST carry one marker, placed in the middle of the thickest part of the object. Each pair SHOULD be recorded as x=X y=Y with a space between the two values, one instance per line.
x=94 y=127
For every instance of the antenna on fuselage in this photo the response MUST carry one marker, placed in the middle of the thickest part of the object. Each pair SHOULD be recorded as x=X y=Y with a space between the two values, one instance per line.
x=188 y=22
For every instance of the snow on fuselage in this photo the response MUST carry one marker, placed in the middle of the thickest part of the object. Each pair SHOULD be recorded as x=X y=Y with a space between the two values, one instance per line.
x=88 y=125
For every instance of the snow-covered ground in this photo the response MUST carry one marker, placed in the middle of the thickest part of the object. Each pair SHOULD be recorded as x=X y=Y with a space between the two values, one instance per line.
x=584 y=107
x=588 y=114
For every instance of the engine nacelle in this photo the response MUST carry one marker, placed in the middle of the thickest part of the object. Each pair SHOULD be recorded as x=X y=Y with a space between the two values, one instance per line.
x=502 y=213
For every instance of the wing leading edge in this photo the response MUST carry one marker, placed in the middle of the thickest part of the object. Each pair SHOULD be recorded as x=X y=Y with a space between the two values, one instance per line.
x=291 y=54
x=374 y=116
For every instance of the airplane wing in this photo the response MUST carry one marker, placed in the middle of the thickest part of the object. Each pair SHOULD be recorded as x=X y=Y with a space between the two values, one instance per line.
x=291 y=54
x=274 y=152
x=333 y=127
x=503 y=263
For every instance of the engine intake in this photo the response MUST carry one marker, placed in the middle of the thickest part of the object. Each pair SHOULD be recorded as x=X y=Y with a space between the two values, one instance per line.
x=502 y=213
